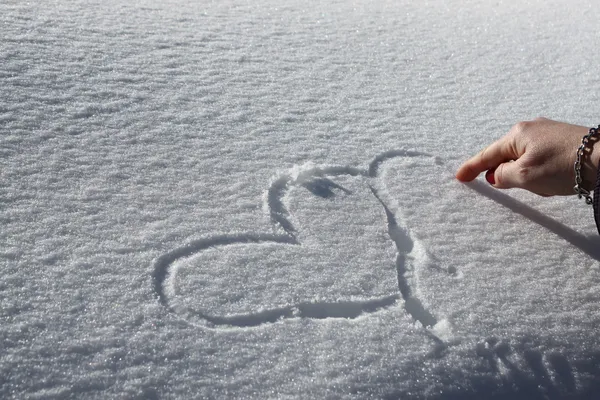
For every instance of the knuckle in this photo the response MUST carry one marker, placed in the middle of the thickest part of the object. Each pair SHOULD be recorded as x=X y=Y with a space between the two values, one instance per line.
x=521 y=127
x=523 y=174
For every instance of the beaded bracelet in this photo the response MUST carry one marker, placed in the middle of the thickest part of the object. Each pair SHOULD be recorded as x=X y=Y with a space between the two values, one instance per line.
x=581 y=192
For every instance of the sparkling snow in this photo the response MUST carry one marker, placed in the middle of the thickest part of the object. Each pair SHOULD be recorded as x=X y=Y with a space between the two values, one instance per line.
x=255 y=199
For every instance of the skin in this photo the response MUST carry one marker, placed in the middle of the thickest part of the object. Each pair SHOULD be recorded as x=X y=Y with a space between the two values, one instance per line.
x=537 y=156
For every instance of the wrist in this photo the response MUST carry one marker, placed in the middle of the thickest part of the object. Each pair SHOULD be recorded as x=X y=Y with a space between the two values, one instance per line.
x=590 y=162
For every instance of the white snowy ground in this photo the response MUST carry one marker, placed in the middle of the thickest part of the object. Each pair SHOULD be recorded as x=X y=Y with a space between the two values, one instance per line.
x=221 y=199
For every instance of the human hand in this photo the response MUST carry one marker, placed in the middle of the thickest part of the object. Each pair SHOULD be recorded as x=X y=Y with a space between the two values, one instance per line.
x=537 y=156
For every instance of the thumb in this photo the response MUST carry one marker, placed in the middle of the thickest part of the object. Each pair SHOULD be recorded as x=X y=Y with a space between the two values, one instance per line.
x=507 y=175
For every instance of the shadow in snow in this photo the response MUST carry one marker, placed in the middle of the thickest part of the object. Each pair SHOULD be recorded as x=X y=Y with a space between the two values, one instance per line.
x=563 y=369
x=540 y=376
x=321 y=310
x=277 y=210
x=507 y=372
x=323 y=187
x=589 y=245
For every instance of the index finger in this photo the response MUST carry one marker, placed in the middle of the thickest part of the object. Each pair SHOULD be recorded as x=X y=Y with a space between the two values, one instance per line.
x=501 y=151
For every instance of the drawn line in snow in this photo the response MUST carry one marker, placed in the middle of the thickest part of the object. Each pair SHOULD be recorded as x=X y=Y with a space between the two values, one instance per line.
x=163 y=263
x=321 y=310
x=405 y=244
x=318 y=181
x=390 y=154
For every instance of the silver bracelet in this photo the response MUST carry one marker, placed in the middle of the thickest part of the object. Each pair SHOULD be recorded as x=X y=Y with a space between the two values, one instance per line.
x=581 y=192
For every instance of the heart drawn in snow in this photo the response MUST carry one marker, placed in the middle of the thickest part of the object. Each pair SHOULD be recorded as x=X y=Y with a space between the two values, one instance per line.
x=338 y=251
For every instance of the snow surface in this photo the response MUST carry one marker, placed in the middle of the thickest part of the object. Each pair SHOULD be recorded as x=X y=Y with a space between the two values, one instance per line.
x=255 y=199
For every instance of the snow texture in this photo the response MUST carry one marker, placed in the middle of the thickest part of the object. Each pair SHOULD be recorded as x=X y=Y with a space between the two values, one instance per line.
x=255 y=199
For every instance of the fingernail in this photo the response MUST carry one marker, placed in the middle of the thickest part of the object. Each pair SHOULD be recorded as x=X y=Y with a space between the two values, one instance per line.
x=489 y=176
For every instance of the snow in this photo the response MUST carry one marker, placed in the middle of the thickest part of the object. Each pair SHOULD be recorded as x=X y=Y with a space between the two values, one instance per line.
x=255 y=199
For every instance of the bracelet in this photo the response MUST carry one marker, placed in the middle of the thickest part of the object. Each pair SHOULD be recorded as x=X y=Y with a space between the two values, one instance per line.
x=596 y=203
x=581 y=192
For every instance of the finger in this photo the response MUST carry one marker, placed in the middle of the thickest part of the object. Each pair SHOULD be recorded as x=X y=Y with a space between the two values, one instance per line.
x=507 y=175
x=495 y=154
